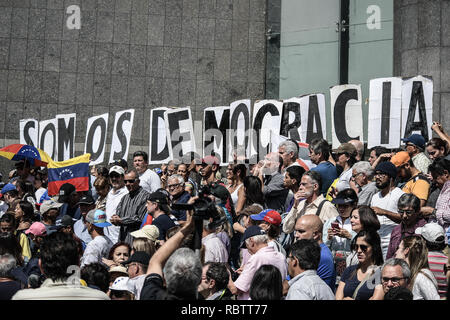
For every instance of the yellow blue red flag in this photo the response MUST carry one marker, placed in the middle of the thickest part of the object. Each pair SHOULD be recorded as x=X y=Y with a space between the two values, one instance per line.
x=74 y=171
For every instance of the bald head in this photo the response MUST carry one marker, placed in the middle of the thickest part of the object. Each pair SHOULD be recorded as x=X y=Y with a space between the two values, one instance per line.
x=309 y=227
x=359 y=149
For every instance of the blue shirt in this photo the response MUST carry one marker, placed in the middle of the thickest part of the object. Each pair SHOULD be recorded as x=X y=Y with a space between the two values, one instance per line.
x=328 y=174
x=181 y=214
x=326 y=270
x=164 y=223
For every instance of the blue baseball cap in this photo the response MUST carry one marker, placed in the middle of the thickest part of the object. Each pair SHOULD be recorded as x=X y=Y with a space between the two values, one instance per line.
x=269 y=215
x=251 y=232
x=97 y=218
x=8 y=187
x=416 y=139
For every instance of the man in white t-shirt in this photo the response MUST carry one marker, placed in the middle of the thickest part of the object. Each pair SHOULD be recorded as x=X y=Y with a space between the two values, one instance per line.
x=100 y=245
x=117 y=192
x=384 y=203
x=149 y=179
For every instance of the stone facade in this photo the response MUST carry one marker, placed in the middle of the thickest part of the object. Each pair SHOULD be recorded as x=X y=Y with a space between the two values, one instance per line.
x=135 y=54
x=422 y=46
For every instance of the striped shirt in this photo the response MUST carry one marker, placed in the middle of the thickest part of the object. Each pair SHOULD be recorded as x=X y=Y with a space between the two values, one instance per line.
x=132 y=209
x=437 y=261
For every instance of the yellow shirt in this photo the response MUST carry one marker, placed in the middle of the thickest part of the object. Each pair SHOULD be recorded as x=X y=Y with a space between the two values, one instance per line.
x=25 y=244
x=418 y=187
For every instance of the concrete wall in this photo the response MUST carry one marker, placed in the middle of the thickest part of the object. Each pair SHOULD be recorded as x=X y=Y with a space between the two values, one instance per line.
x=422 y=46
x=128 y=54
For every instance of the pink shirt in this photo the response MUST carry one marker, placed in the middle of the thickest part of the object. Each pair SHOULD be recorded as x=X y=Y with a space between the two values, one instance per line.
x=266 y=255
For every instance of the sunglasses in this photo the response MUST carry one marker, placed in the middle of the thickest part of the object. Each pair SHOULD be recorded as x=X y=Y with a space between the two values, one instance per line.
x=363 y=247
x=130 y=181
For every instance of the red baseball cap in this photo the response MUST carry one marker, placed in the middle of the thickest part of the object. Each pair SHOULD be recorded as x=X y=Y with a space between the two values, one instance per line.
x=269 y=215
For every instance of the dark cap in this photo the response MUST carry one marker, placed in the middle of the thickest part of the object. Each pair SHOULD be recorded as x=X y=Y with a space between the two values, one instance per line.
x=66 y=221
x=345 y=197
x=66 y=190
x=251 y=232
x=158 y=197
x=122 y=162
x=219 y=191
x=86 y=199
x=388 y=168
x=139 y=257
x=416 y=139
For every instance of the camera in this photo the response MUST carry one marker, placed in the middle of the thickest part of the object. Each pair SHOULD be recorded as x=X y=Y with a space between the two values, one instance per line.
x=204 y=208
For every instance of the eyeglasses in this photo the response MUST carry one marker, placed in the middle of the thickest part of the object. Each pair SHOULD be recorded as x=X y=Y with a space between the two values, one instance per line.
x=171 y=186
x=131 y=264
x=381 y=174
x=394 y=280
x=408 y=212
x=354 y=176
x=410 y=145
x=130 y=181
x=363 y=247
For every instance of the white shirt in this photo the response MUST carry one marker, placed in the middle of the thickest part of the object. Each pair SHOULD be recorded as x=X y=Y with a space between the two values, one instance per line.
x=389 y=203
x=234 y=195
x=3 y=208
x=112 y=201
x=136 y=284
x=344 y=180
x=150 y=181
x=425 y=287
x=215 y=250
x=95 y=250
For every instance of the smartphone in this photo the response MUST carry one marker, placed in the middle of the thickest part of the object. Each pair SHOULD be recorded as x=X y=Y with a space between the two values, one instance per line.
x=335 y=225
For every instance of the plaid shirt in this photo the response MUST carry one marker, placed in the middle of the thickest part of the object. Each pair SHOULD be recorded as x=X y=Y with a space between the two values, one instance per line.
x=443 y=206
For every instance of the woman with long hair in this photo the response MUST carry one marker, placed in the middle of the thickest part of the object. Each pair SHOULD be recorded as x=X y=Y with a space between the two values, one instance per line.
x=238 y=173
x=356 y=279
x=252 y=192
x=413 y=250
x=267 y=284
x=119 y=252
x=24 y=214
x=362 y=218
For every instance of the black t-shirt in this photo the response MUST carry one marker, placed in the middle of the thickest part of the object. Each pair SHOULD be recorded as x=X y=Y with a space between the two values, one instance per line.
x=153 y=289
x=8 y=289
x=351 y=283
x=164 y=223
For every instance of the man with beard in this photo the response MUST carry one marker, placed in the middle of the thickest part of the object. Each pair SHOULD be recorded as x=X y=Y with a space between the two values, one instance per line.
x=309 y=200
x=208 y=170
x=414 y=181
x=384 y=203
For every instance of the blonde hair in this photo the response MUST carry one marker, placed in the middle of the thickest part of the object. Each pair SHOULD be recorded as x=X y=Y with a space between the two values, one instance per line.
x=417 y=255
x=144 y=244
x=226 y=225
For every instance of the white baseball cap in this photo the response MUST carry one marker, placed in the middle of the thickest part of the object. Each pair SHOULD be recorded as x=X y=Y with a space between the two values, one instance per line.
x=122 y=284
x=432 y=232
x=117 y=169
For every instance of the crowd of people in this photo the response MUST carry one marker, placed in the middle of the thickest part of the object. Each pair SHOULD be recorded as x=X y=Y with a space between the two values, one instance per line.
x=340 y=228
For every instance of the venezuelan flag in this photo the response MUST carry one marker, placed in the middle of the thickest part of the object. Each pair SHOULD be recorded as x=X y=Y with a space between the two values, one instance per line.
x=74 y=171
x=34 y=156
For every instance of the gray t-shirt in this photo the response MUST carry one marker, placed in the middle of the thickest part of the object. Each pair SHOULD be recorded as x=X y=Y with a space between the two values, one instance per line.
x=366 y=193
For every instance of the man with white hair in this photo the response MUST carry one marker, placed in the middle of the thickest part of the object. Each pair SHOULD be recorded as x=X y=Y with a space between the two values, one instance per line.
x=178 y=195
x=288 y=151
x=256 y=242
x=361 y=182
